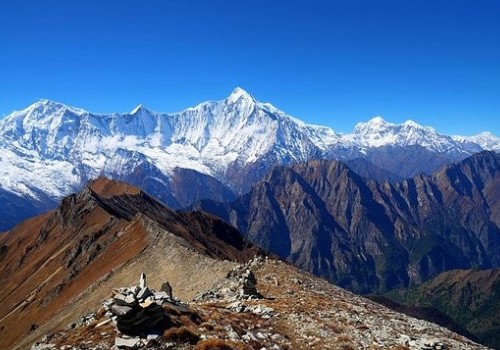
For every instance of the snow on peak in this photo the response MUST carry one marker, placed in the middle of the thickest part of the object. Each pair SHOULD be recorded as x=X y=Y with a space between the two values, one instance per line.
x=377 y=133
x=378 y=120
x=45 y=106
x=55 y=148
x=140 y=109
x=486 y=140
x=240 y=94
x=137 y=109
x=374 y=125
x=413 y=124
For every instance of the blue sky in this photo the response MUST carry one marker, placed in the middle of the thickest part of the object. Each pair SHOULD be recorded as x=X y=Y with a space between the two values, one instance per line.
x=333 y=63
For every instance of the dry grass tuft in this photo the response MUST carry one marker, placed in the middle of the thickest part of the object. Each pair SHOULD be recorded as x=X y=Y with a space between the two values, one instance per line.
x=181 y=335
x=219 y=344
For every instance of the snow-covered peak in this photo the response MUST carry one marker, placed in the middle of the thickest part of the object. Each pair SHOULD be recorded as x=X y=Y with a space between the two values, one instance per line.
x=486 y=140
x=412 y=124
x=377 y=123
x=55 y=148
x=44 y=107
x=138 y=109
x=43 y=117
x=239 y=94
x=377 y=133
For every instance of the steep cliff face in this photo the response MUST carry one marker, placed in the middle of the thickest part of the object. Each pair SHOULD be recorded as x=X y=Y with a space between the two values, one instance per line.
x=370 y=236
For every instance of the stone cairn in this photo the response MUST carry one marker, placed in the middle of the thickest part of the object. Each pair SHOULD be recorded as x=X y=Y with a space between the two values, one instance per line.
x=239 y=287
x=138 y=314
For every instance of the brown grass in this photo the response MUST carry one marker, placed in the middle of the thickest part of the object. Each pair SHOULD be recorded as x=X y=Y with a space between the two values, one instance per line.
x=219 y=344
x=181 y=335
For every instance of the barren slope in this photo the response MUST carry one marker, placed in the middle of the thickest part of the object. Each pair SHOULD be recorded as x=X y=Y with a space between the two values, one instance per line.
x=104 y=236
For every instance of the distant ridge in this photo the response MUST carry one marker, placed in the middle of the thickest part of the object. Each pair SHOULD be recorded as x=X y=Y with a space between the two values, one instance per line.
x=372 y=236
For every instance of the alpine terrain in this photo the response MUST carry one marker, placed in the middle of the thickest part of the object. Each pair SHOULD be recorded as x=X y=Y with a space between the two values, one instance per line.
x=470 y=297
x=50 y=150
x=372 y=236
x=112 y=267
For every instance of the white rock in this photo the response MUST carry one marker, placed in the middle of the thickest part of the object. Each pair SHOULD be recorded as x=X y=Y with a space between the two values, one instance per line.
x=123 y=343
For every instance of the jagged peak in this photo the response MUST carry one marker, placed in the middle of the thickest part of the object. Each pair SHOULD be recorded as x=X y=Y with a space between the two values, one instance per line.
x=412 y=123
x=377 y=120
x=239 y=93
x=140 y=108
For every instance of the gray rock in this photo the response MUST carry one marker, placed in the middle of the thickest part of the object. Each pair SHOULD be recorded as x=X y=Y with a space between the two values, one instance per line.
x=249 y=284
x=142 y=281
x=143 y=293
x=122 y=300
x=162 y=295
x=40 y=346
x=167 y=288
x=236 y=306
x=120 y=310
x=152 y=336
x=124 y=343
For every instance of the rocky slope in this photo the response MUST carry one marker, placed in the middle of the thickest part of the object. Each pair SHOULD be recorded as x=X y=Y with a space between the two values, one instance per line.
x=262 y=304
x=470 y=297
x=50 y=150
x=369 y=236
x=98 y=238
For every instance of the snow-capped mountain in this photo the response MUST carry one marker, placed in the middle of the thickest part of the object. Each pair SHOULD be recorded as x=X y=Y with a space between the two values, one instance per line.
x=54 y=147
x=378 y=133
x=486 y=140
x=50 y=149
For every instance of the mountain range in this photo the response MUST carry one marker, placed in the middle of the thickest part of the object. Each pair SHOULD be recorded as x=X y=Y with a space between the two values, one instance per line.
x=59 y=269
x=216 y=150
x=371 y=236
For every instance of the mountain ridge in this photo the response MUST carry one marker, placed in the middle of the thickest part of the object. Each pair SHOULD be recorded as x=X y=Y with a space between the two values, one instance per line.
x=101 y=234
x=50 y=149
x=202 y=285
x=382 y=235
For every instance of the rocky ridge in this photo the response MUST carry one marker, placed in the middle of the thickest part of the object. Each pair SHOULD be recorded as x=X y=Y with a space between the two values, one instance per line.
x=264 y=303
x=60 y=264
x=373 y=236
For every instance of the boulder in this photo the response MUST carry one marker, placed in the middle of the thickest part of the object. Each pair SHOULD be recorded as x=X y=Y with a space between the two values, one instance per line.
x=122 y=300
x=120 y=310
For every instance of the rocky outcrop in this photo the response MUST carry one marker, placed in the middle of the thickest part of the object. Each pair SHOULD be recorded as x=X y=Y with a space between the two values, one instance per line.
x=292 y=310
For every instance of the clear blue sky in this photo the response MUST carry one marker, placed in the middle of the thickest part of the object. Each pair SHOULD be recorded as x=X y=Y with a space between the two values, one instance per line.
x=327 y=62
